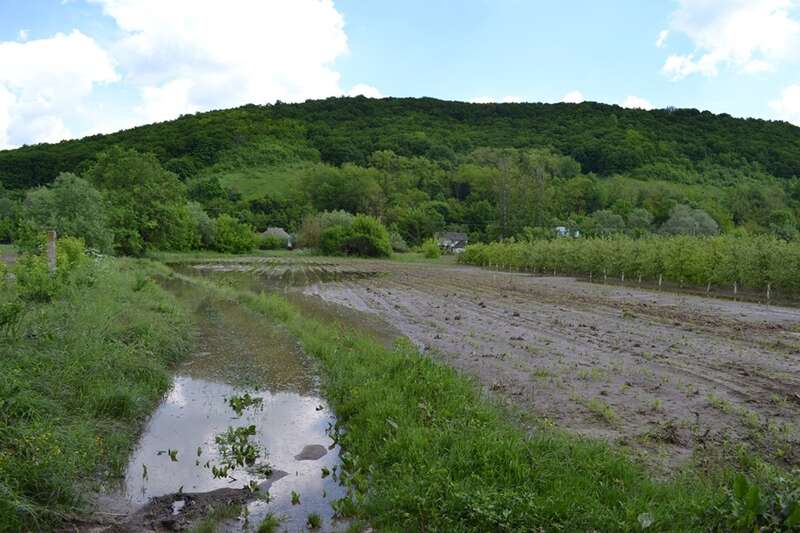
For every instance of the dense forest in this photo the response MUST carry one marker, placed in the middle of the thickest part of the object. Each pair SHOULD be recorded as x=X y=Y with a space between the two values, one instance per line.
x=419 y=166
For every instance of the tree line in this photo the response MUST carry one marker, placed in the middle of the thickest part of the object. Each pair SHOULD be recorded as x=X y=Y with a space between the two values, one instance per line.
x=419 y=166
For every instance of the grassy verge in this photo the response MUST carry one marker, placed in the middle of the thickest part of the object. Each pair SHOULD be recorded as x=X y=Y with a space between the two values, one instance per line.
x=425 y=451
x=80 y=367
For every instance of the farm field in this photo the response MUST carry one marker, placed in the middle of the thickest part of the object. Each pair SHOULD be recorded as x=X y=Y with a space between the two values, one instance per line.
x=663 y=374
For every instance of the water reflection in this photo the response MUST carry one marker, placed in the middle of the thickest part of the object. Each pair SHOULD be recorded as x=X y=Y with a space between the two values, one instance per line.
x=238 y=352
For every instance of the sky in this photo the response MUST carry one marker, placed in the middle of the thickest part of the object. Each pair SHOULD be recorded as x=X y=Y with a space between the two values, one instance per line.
x=70 y=68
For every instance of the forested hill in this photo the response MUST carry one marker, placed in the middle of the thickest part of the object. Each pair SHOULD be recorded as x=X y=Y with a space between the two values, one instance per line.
x=672 y=145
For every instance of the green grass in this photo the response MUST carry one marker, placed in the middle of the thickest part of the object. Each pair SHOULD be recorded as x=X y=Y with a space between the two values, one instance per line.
x=255 y=182
x=78 y=375
x=215 y=517
x=436 y=455
x=270 y=524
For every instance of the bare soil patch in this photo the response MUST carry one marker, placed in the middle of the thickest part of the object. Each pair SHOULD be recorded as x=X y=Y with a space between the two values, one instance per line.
x=666 y=374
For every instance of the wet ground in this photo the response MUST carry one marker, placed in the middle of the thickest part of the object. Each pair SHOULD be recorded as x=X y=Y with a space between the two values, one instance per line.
x=665 y=374
x=245 y=374
x=671 y=376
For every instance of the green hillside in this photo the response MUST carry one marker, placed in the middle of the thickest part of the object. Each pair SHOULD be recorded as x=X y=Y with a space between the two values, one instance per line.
x=423 y=165
x=604 y=139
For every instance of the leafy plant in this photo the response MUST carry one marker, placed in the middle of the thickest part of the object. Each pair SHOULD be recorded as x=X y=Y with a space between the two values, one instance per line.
x=314 y=521
x=749 y=507
x=430 y=249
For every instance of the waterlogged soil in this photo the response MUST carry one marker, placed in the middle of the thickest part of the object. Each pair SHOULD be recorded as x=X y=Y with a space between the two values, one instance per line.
x=673 y=377
x=170 y=483
x=666 y=374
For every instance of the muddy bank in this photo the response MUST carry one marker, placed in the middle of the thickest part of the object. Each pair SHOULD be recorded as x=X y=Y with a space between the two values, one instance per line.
x=666 y=374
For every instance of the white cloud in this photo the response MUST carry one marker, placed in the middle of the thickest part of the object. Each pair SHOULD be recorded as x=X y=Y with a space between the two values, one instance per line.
x=167 y=101
x=362 y=89
x=174 y=57
x=45 y=81
x=22 y=35
x=636 y=102
x=662 y=38
x=188 y=55
x=7 y=101
x=787 y=107
x=750 y=35
x=573 y=97
x=495 y=100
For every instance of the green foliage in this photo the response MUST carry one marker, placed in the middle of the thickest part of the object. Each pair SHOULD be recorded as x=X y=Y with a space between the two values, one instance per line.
x=413 y=163
x=270 y=524
x=748 y=507
x=72 y=207
x=271 y=242
x=314 y=225
x=399 y=244
x=349 y=188
x=35 y=282
x=430 y=249
x=683 y=220
x=74 y=385
x=204 y=225
x=232 y=236
x=365 y=237
x=605 y=222
x=147 y=204
x=750 y=262
x=314 y=521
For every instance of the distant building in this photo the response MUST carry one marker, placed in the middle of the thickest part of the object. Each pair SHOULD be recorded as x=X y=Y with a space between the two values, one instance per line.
x=452 y=241
x=563 y=231
x=280 y=233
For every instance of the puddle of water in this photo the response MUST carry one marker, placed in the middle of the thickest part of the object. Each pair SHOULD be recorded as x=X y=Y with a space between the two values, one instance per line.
x=238 y=353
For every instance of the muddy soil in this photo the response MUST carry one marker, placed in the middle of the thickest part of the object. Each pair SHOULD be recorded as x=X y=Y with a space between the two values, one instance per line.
x=665 y=374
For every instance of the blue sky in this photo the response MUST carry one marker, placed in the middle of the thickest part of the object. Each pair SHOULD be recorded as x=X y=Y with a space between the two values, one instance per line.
x=73 y=67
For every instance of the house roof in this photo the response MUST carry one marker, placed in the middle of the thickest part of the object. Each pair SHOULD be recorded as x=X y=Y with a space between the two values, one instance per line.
x=453 y=236
x=275 y=232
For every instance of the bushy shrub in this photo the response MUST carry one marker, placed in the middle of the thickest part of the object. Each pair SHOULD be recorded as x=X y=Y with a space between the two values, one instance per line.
x=72 y=207
x=430 y=249
x=70 y=253
x=35 y=282
x=233 y=236
x=203 y=223
x=365 y=237
x=272 y=242
x=332 y=240
x=314 y=225
x=399 y=244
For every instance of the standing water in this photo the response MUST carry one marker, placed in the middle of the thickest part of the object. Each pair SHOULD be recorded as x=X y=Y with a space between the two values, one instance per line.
x=244 y=413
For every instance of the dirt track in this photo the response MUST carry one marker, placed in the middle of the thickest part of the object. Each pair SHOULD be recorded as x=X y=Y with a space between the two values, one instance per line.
x=666 y=374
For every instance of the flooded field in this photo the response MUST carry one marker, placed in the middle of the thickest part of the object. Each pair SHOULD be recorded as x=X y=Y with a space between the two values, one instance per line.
x=663 y=373
x=667 y=375
x=246 y=380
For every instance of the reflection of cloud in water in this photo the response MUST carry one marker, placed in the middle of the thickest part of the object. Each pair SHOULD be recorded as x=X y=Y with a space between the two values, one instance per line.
x=196 y=411
x=175 y=395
